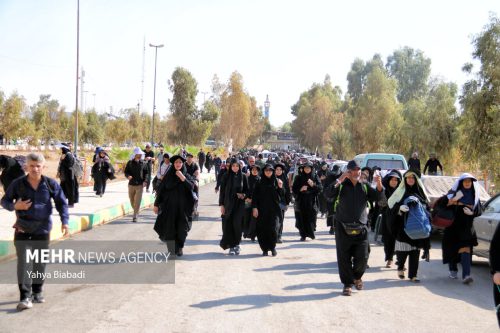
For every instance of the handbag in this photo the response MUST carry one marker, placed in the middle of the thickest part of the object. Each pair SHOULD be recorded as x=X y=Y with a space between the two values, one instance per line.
x=444 y=217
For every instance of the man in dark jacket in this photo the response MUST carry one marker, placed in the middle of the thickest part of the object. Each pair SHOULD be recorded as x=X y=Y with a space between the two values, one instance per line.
x=414 y=163
x=33 y=224
x=137 y=173
x=201 y=159
x=217 y=165
x=433 y=164
x=351 y=217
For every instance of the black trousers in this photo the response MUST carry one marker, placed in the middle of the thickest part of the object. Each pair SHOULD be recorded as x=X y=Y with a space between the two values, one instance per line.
x=28 y=285
x=352 y=255
x=280 y=224
x=413 y=261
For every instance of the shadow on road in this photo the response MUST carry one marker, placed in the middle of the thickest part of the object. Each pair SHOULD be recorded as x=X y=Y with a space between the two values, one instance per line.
x=260 y=301
x=303 y=268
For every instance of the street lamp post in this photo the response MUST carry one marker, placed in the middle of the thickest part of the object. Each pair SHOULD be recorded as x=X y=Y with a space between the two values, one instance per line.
x=154 y=94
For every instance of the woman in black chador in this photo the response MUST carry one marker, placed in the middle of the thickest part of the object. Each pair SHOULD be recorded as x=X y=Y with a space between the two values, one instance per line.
x=286 y=198
x=69 y=182
x=249 y=222
x=174 y=205
x=101 y=171
x=306 y=188
x=233 y=191
x=266 y=209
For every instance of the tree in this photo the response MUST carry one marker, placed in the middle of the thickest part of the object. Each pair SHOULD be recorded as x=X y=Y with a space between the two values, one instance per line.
x=235 y=122
x=46 y=113
x=411 y=69
x=286 y=127
x=480 y=100
x=190 y=127
x=316 y=114
x=371 y=120
x=93 y=132
x=10 y=115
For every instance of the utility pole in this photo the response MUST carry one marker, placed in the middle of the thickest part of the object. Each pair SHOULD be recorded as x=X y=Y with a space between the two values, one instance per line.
x=154 y=96
x=143 y=71
x=82 y=91
x=77 y=70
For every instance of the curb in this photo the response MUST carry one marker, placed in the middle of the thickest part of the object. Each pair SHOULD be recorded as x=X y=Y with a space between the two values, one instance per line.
x=83 y=223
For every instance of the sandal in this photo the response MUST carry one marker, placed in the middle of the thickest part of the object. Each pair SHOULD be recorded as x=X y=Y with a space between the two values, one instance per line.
x=347 y=291
x=358 y=284
x=388 y=264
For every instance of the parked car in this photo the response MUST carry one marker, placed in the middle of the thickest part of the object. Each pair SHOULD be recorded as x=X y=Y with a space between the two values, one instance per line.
x=267 y=153
x=340 y=163
x=382 y=160
x=486 y=225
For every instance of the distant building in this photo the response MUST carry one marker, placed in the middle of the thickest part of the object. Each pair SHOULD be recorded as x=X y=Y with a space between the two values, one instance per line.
x=282 y=141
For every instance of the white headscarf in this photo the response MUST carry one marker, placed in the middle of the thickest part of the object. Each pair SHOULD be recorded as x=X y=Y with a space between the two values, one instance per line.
x=137 y=151
x=454 y=188
x=400 y=191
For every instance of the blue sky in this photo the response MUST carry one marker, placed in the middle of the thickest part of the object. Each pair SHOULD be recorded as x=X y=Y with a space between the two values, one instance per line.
x=280 y=47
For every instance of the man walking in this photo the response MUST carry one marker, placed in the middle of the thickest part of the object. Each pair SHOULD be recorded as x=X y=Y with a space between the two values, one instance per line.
x=201 y=159
x=137 y=172
x=433 y=164
x=351 y=200
x=414 y=163
x=30 y=197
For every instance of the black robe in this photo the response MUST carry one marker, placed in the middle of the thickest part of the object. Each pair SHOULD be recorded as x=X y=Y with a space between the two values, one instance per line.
x=101 y=173
x=176 y=203
x=396 y=222
x=69 y=182
x=307 y=203
x=232 y=221
x=323 y=206
x=249 y=222
x=460 y=234
x=328 y=187
x=266 y=198
x=10 y=171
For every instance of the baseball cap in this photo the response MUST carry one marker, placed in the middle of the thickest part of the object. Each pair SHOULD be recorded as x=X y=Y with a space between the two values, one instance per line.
x=353 y=165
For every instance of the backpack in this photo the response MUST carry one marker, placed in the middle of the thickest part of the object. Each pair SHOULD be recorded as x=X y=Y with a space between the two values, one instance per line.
x=417 y=222
x=337 y=199
x=77 y=168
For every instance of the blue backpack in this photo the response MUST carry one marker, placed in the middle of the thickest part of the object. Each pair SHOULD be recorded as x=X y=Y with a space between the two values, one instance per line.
x=417 y=222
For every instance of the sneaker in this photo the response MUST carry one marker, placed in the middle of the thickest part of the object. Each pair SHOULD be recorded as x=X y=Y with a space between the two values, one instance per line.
x=347 y=291
x=237 y=250
x=358 y=284
x=232 y=252
x=265 y=253
x=388 y=264
x=453 y=275
x=302 y=239
x=179 y=253
x=414 y=280
x=38 y=298
x=274 y=252
x=401 y=274
x=24 y=304
x=467 y=280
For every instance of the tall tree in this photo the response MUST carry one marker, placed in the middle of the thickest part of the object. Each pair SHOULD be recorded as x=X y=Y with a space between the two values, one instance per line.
x=315 y=114
x=189 y=126
x=411 y=69
x=480 y=101
x=11 y=115
x=234 y=126
x=371 y=119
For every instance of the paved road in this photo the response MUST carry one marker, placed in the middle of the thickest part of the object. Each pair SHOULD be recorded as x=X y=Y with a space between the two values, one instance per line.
x=297 y=291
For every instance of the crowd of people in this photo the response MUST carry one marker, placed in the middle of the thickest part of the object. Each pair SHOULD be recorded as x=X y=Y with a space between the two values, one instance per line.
x=254 y=194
